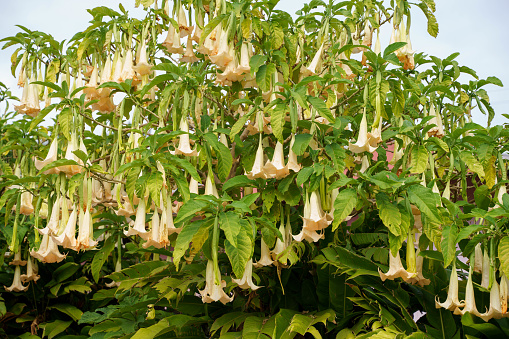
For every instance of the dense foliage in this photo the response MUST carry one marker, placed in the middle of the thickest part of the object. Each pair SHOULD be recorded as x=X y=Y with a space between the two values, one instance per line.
x=223 y=169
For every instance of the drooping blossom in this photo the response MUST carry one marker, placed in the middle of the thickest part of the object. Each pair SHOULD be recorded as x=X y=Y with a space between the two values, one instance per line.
x=452 y=301
x=257 y=171
x=265 y=259
x=31 y=271
x=277 y=168
x=16 y=286
x=184 y=146
x=48 y=251
x=396 y=269
x=50 y=157
x=212 y=291
x=246 y=281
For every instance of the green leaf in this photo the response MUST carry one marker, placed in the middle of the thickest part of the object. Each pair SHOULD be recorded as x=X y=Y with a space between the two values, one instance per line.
x=151 y=331
x=301 y=143
x=229 y=222
x=210 y=27
x=240 y=250
x=57 y=163
x=56 y=327
x=389 y=213
x=321 y=107
x=72 y=311
x=277 y=121
x=184 y=239
x=155 y=185
x=425 y=200
x=101 y=256
x=238 y=181
x=440 y=143
x=40 y=116
x=304 y=175
x=472 y=163
x=419 y=159
x=449 y=234
x=503 y=254
x=343 y=206
x=264 y=76
x=256 y=61
x=189 y=209
x=224 y=162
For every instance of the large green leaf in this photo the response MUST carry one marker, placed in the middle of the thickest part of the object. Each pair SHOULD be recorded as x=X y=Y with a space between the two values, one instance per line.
x=425 y=200
x=389 y=213
x=343 y=206
x=503 y=254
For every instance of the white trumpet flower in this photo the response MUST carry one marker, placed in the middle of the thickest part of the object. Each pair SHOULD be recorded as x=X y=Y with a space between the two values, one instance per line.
x=292 y=163
x=311 y=69
x=189 y=55
x=265 y=259
x=363 y=143
x=212 y=291
x=485 y=281
x=495 y=310
x=184 y=145
x=185 y=30
x=469 y=301
x=247 y=278
x=142 y=66
x=31 y=271
x=16 y=286
x=257 y=171
x=277 y=168
x=48 y=251
x=452 y=301
x=210 y=186
x=85 y=231
x=67 y=238
x=139 y=223
x=396 y=270
x=52 y=156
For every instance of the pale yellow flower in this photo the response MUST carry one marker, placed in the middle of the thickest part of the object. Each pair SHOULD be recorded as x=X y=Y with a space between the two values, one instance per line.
x=16 y=286
x=212 y=291
x=246 y=281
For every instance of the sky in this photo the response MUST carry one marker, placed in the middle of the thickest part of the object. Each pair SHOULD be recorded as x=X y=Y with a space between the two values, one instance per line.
x=473 y=28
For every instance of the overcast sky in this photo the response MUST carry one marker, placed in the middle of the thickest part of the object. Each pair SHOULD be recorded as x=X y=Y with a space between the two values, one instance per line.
x=472 y=27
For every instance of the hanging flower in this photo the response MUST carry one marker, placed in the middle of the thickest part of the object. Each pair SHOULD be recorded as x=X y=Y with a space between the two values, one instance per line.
x=247 y=279
x=184 y=145
x=52 y=225
x=210 y=186
x=469 y=301
x=48 y=251
x=396 y=269
x=52 y=156
x=170 y=226
x=17 y=259
x=478 y=258
x=438 y=129
x=71 y=170
x=277 y=168
x=265 y=259
x=67 y=238
x=292 y=163
x=184 y=29
x=127 y=67
x=189 y=55
x=495 y=310
x=31 y=271
x=317 y=219
x=243 y=67
x=26 y=207
x=142 y=66
x=363 y=143
x=199 y=23
x=485 y=281
x=193 y=186
x=257 y=171
x=155 y=233
x=311 y=69
x=90 y=89
x=212 y=291
x=139 y=223
x=309 y=226
x=223 y=56
x=85 y=231
x=16 y=286
x=452 y=301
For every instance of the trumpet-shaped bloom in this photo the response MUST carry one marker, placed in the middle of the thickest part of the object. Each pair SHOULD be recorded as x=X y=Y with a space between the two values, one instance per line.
x=452 y=301
x=257 y=171
x=311 y=69
x=127 y=67
x=29 y=103
x=469 y=301
x=170 y=226
x=265 y=259
x=31 y=271
x=363 y=143
x=495 y=310
x=396 y=270
x=155 y=233
x=16 y=286
x=184 y=145
x=193 y=186
x=90 y=89
x=48 y=251
x=317 y=219
x=277 y=168
x=292 y=163
x=26 y=207
x=438 y=129
x=139 y=223
x=485 y=281
x=85 y=231
x=504 y=293
x=17 y=260
x=184 y=29
x=223 y=56
x=243 y=67
x=52 y=156
x=212 y=291
x=199 y=23
x=247 y=278
x=189 y=55
x=478 y=258
x=52 y=225
x=71 y=170
x=210 y=186
x=67 y=238
x=142 y=66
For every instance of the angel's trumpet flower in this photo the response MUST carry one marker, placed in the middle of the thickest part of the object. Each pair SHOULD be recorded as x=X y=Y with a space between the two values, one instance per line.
x=29 y=103
x=189 y=53
x=139 y=223
x=48 y=251
x=168 y=41
x=501 y=191
x=243 y=67
x=155 y=233
x=485 y=281
x=142 y=66
x=280 y=246
x=398 y=153
x=396 y=269
x=257 y=171
x=368 y=35
x=52 y=156
x=26 y=207
x=24 y=99
x=247 y=278
x=210 y=186
x=31 y=271
x=307 y=233
x=452 y=301
x=364 y=164
x=318 y=219
x=117 y=70
x=85 y=231
x=90 y=89
x=199 y=22
x=265 y=259
x=469 y=299
x=71 y=170
x=67 y=238
x=277 y=168
x=419 y=279
x=193 y=186
x=173 y=45
x=16 y=286
x=255 y=128
x=127 y=67
x=311 y=69
x=478 y=258
x=438 y=129
x=105 y=77
x=17 y=260
x=52 y=225
x=292 y=163
x=378 y=47
x=185 y=30
x=170 y=226
x=126 y=209
x=495 y=310
x=212 y=291
x=363 y=142
x=184 y=145
x=223 y=56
